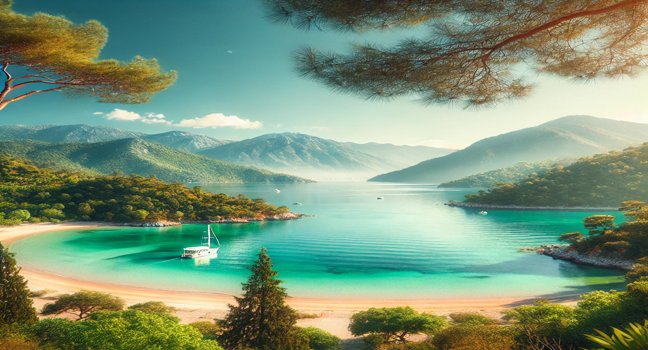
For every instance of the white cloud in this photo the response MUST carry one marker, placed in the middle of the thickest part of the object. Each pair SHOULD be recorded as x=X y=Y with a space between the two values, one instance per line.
x=120 y=114
x=213 y=120
x=219 y=120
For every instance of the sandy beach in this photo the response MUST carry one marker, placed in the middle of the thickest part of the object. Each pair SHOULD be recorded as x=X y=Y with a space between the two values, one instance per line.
x=329 y=314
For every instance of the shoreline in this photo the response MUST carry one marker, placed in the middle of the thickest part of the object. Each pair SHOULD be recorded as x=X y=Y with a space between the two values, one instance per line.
x=522 y=207
x=565 y=253
x=333 y=314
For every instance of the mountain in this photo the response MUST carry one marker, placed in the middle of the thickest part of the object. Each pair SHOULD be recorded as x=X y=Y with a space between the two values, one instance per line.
x=604 y=180
x=567 y=137
x=505 y=175
x=64 y=133
x=303 y=155
x=400 y=156
x=185 y=141
x=140 y=157
x=81 y=133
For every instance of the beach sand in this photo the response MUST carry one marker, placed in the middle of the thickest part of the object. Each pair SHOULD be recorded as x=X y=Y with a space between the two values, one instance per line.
x=329 y=314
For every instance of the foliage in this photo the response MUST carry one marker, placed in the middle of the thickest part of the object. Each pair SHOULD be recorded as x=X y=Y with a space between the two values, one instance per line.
x=84 y=197
x=601 y=180
x=83 y=303
x=15 y=341
x=474 y=336
x=135 y=156
x=15 y=304
x=493 y=178
x=626 y=241
x=153 y=307
x=261 y=320
x=633 y=337
x=465 y=318
x=123 y=330
x=61 y=55
x=474 y=48
x=319 y=339
x=209 y=330
x=542 y=320
x=394 y=324
x=639 y=271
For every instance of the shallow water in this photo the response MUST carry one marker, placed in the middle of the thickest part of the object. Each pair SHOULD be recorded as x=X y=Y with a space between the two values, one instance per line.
x=408 y=245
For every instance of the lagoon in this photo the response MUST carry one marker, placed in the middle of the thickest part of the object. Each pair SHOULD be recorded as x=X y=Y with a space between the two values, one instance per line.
x=408 y=245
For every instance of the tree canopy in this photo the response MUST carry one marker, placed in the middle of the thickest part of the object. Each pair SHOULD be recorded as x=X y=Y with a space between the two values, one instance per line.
x=394 y=324
x=84 y=303
x=262 y=320
x=15 y=304
x=477 y=52
x=61 y=55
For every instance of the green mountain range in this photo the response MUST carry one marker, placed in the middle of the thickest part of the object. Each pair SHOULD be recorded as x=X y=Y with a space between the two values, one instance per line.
x=567 y=137
x=81 y=133
x=138 y=157
x=604 y=180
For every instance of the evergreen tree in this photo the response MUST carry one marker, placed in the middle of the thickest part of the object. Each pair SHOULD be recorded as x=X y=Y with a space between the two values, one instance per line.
x=15 y=304
x=262 y=320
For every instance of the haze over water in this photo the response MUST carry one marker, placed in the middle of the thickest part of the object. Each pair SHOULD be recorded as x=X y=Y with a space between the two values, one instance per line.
x=408 y=245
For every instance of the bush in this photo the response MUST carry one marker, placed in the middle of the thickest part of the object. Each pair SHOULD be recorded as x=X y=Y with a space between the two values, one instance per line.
x=319 y=339
x=474 y=336
x=209 y=330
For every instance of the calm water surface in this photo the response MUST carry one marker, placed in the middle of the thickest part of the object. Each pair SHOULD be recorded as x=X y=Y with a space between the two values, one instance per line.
x=407 y=245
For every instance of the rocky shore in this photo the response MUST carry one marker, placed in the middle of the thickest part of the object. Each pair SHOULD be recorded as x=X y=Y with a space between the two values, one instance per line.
x=565 y=252
x=521 y=207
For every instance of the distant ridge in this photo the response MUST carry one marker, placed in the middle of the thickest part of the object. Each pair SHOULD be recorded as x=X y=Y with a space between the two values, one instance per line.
x=567 y=137
x=318 y=158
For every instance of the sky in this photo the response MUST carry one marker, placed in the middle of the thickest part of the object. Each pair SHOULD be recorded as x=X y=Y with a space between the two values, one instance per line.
x=237 y=79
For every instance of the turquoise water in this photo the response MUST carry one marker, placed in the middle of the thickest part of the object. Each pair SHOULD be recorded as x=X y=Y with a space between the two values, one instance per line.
x=408 y=245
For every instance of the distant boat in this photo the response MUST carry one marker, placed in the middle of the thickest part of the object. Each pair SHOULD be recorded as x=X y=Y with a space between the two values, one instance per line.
x=379 y=198
x=483 y=213
x=203 y=250
x=277 y=191
x=297 y=203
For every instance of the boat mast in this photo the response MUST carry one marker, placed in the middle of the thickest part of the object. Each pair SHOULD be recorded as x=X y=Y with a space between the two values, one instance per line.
x=208 y=236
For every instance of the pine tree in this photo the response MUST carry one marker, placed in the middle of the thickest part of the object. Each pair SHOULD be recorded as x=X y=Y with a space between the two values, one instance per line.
x=262 y=320
x=15 y=303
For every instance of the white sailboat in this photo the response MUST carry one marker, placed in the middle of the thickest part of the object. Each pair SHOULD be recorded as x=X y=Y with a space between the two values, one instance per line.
x=205 y=249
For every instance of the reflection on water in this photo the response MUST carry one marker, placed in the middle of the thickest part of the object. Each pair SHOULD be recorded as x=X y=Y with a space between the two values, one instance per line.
x=407 y=245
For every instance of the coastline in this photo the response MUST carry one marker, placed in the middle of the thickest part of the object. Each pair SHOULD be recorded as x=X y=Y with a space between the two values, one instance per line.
x=522 y=207
x=564 y=252
x=333 y=313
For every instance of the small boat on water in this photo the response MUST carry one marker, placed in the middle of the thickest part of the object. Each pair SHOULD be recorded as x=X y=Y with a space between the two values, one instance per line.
x=203 y=250
x=379 y=198
x=277 y=191
x=483 y=213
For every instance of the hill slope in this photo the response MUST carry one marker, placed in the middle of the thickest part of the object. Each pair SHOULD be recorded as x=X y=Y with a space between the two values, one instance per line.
x=185 y=141
x=398 y=155
x=139 y=157
x=567 y=137
x=505 y=175
x=603 y=180
x=300 y=154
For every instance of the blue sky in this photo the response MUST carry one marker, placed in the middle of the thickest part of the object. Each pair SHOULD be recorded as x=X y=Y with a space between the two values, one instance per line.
x=231 y=61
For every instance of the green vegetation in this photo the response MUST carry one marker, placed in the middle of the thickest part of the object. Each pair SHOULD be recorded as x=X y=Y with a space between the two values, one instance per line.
x=261 y=319
x=84 y=303
x=29 y=193
x=135 y=156
x=600 y=181
x=15 y=304
x=319 y=339
x=153 y=307
x=394 y=324
x=501 y=176
x=628 y=240
x=121 y=330
x=64 y=56
x=634 y=337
